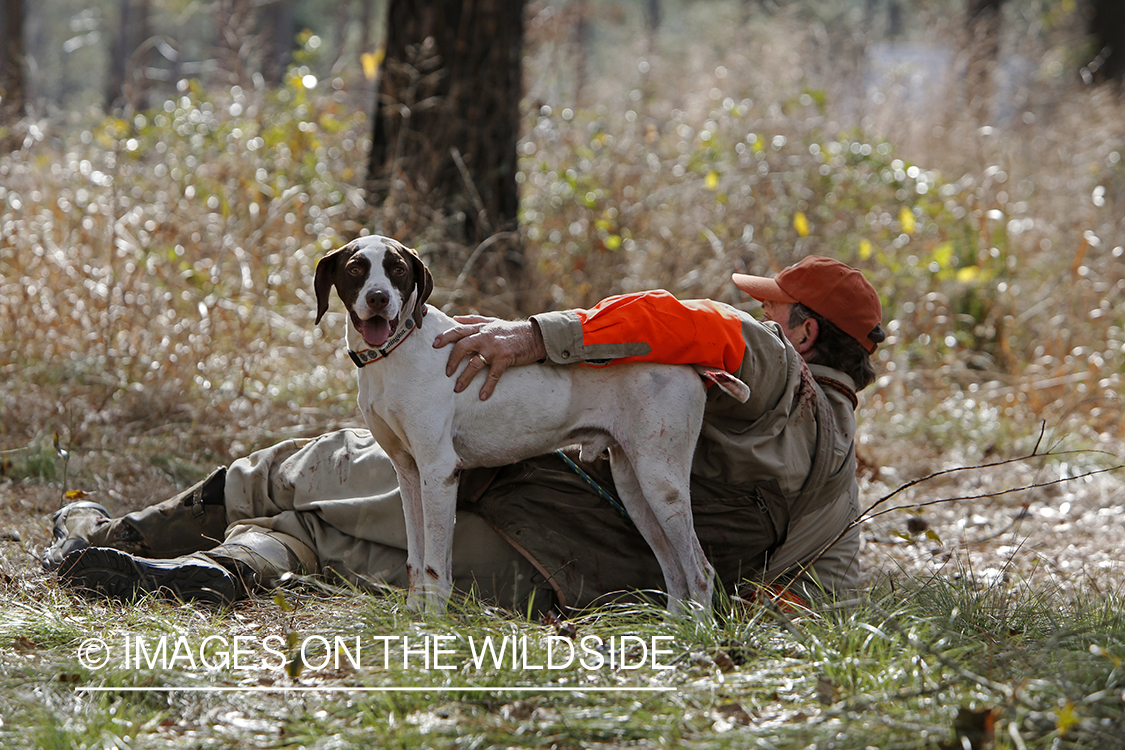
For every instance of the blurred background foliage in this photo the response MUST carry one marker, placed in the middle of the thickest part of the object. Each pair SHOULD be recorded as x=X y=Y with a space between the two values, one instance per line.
x=158 y=234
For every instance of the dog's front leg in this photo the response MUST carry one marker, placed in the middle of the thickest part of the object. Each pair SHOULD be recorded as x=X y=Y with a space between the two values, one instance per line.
x=410 y=491
x=439 y=509
x=429 y=504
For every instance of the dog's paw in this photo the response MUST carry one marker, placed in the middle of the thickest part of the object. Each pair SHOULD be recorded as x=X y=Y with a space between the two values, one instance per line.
x=427 y=601
x=680 y=610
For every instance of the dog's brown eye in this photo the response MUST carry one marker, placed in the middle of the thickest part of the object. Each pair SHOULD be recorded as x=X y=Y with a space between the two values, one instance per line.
x=398 y=270
x=355 y=270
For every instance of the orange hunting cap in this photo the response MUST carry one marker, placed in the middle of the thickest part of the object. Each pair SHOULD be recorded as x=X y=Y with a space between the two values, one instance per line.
x=834 y=290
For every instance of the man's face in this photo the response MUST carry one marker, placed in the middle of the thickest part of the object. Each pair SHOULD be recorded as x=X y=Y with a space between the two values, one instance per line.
x=778 y=312
x=801 y=336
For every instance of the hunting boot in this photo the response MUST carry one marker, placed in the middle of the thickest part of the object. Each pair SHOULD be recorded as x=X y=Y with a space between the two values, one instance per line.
x=193 y=520
x=253 y=558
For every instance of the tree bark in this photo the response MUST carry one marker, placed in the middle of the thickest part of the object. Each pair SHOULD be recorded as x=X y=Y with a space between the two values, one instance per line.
x=340 y=25
x=234 y=24
x=129 y=54
x=446 y=124
x=653 y=16
x=983 y=27
x=1107 y=26
x=366 y=15
x=12 y=96
x=581 y=42
x=280 y=33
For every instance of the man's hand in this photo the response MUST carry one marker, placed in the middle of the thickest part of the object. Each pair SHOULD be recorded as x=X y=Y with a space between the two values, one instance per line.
x=493 y=343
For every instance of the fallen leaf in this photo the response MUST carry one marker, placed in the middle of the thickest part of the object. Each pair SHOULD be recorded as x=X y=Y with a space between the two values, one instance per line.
x=723 y=661
x=1067 y=718
x=826 y=691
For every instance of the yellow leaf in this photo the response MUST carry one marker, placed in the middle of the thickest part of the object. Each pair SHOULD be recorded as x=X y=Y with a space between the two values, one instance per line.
x=906 y=218
x=371 y=62
x=943 y=255
x=712 y=180
x=76 y=494
x=1097 y=650
x=1067 y=718
x=865 y=249
x=968 y=273
x=801 y=224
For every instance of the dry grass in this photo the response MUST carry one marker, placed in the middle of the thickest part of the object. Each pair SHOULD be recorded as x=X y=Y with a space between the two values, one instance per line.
x=156 y=316
x=156 y=319
x=153 y=286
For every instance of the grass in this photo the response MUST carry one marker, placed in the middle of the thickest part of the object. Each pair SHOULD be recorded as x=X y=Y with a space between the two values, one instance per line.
x=894 y=670
x=156 y=320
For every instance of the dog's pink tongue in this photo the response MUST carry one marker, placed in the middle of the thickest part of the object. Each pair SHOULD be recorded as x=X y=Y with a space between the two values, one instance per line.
x=375 y=331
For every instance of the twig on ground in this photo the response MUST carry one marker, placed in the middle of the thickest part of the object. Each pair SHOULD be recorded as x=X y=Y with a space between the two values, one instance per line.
x=867 y=514
x=926 y=503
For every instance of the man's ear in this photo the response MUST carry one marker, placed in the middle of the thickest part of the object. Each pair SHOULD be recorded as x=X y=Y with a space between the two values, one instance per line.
x=325 y=277
x=809 y=333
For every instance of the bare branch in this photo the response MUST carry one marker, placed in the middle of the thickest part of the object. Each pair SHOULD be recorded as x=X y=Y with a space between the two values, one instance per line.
x=865 y=517
x=867 y=514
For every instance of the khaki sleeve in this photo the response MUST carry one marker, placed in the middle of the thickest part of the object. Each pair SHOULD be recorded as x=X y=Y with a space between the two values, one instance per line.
x=562 y=335
x=565 y=342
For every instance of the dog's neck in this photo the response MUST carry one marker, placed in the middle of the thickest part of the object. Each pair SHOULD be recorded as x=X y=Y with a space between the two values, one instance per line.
x=406 y=326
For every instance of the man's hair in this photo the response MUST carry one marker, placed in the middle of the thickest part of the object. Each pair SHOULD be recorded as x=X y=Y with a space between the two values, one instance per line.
x=834 y=348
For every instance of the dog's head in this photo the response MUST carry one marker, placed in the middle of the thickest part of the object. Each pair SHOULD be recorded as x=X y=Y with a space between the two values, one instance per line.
x=380 y=280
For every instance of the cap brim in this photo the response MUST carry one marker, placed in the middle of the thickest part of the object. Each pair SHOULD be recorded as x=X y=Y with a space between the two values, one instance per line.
x=761 y=288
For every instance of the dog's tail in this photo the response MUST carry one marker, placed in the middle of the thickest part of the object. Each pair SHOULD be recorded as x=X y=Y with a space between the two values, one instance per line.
x=730 y=385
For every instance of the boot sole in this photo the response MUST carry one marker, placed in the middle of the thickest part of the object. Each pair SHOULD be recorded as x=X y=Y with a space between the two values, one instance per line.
x=110 y=572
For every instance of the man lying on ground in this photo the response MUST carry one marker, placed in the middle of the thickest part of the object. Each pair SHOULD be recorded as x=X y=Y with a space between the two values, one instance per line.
x=773 y=479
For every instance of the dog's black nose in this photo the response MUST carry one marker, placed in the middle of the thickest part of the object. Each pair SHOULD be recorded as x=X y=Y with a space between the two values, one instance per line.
x=377 y=299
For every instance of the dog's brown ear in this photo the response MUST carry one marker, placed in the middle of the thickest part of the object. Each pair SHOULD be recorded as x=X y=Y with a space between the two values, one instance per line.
x=325 y=277
x=423 y=283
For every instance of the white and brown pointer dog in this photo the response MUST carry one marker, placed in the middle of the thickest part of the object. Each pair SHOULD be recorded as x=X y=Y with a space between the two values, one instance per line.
x=648 y=416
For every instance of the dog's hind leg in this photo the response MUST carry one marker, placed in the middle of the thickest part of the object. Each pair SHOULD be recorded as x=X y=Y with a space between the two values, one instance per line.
x=656 y=497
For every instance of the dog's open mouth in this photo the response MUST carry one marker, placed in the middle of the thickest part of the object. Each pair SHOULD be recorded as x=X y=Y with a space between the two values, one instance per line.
x=375 y=330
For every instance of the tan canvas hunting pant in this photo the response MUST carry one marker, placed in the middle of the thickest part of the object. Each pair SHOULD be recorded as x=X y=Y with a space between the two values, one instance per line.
x=337 y=494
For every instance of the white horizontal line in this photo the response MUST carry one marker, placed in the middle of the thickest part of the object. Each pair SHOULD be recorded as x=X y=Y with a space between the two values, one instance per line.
x=392 y=689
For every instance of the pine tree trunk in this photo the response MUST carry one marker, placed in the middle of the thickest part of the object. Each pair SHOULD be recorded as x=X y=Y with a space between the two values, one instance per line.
x=11 y=62
x=129 y=55
x=446 y=127
x=279 y=34
x=984 y=24
x=235 y=39
x=1107 y=26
